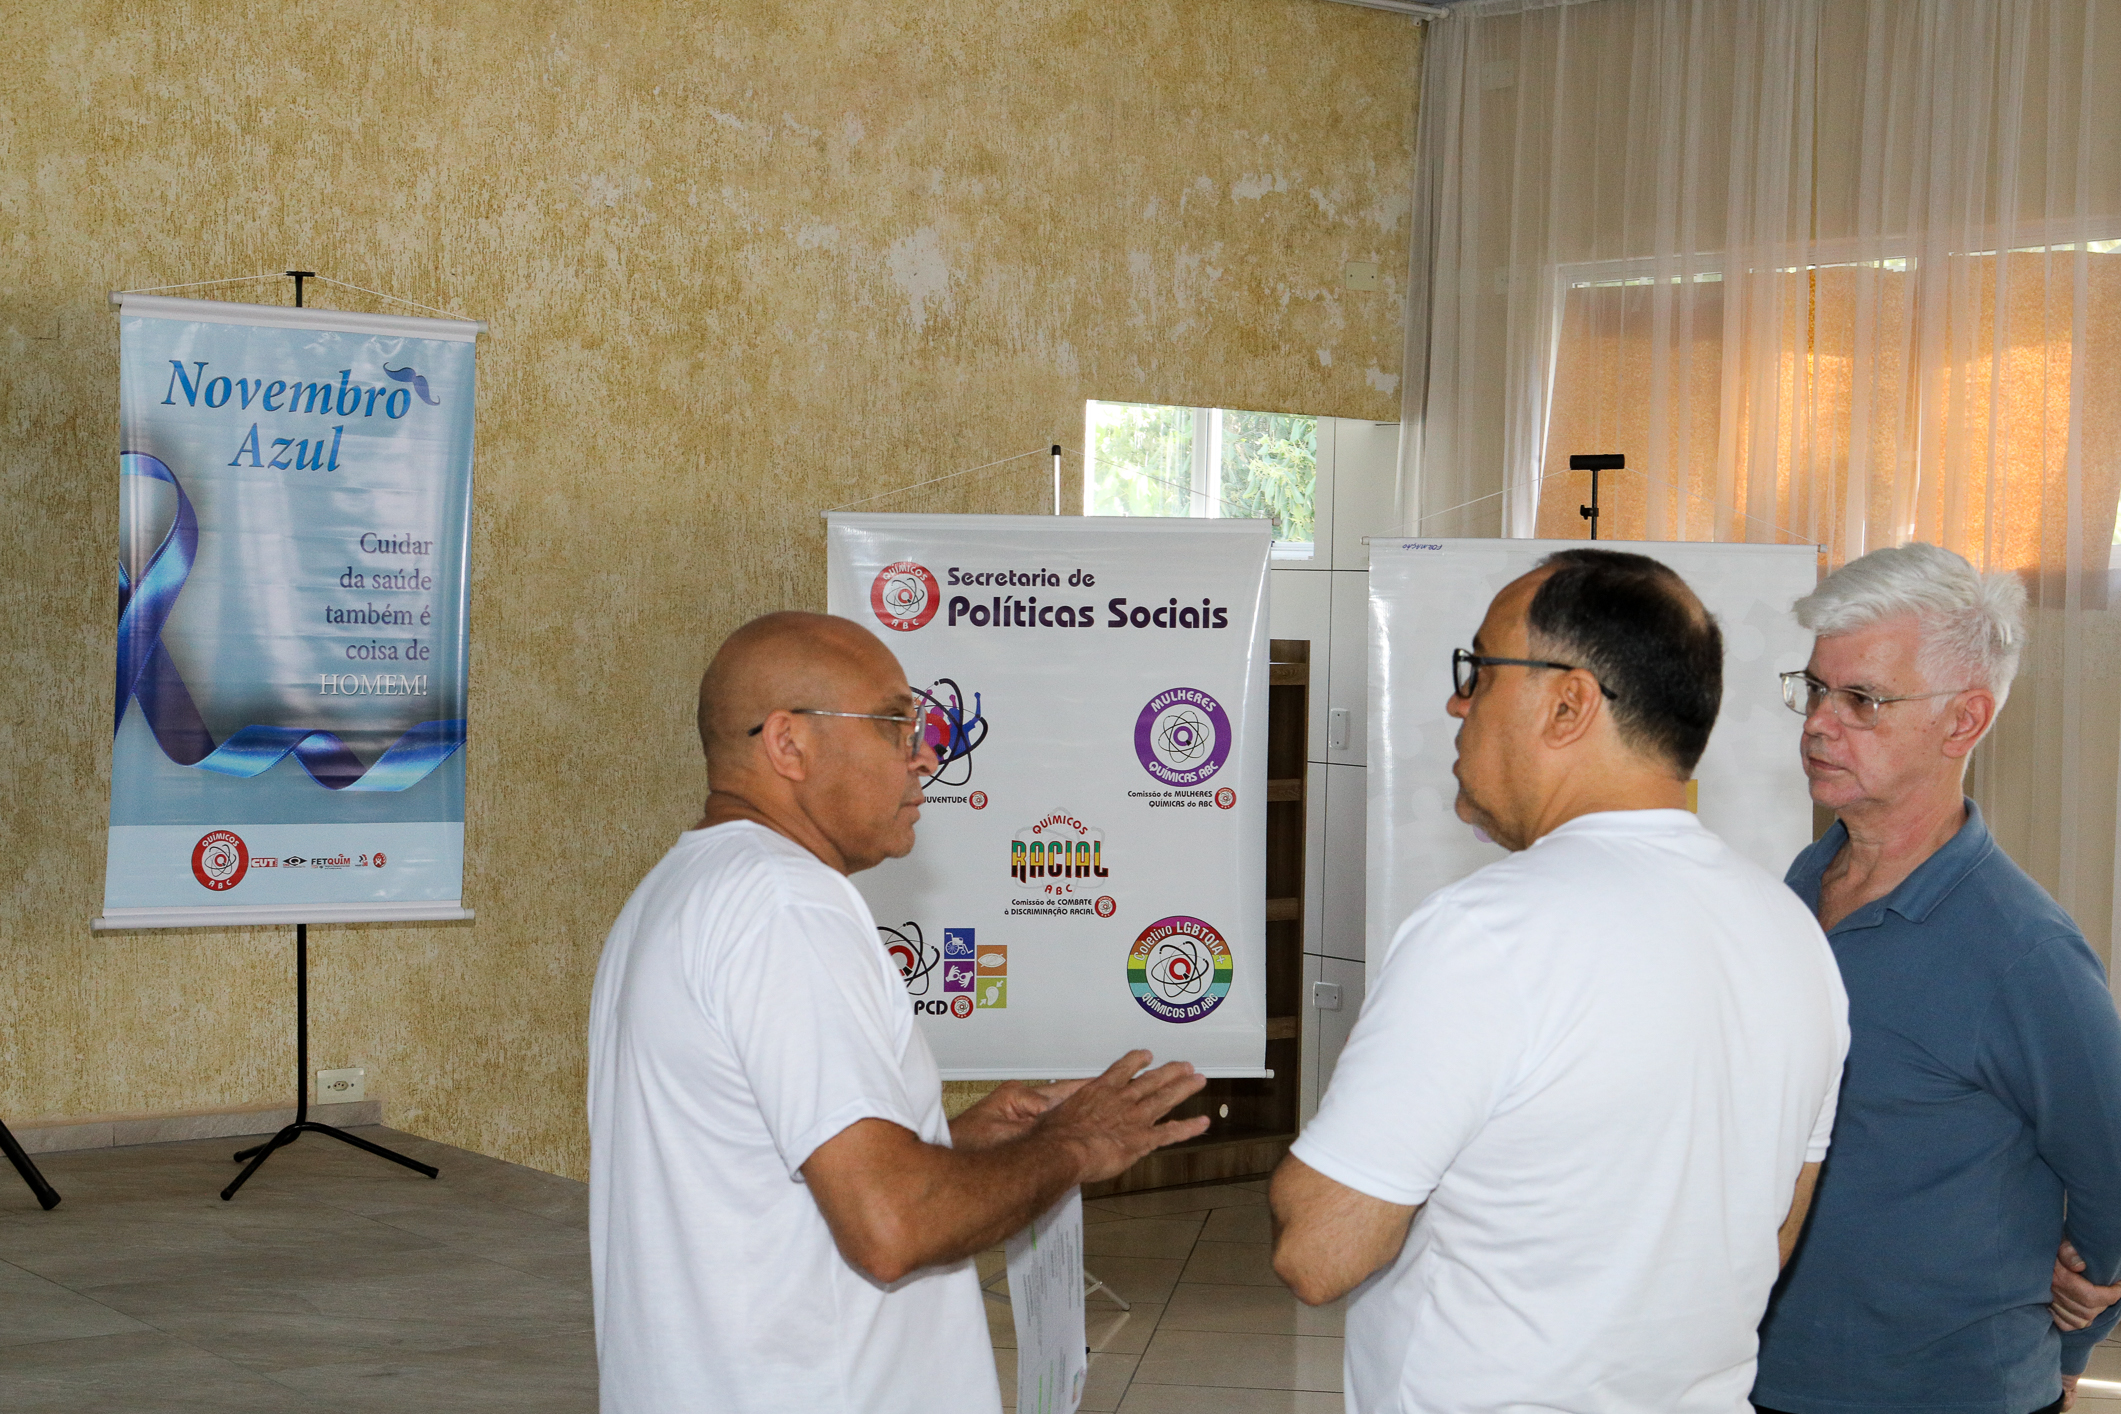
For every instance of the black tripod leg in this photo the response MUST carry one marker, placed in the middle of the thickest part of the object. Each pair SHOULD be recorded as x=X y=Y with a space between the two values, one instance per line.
x=47 y=1196
x=263 y=1152
x=285 y=1136
x=377 y=1149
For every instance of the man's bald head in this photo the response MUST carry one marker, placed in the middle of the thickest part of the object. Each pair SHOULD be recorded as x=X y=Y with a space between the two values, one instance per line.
x=786 y=660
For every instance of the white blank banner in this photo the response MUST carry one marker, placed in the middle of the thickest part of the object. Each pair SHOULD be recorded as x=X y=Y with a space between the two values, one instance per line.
x=1428 y=597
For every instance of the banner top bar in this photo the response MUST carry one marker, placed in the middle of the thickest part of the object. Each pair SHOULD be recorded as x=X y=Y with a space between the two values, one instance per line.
x=284 y=316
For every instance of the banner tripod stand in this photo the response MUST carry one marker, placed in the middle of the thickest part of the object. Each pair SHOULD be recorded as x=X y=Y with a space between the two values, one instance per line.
x=303 y=1123
x=47 y=1196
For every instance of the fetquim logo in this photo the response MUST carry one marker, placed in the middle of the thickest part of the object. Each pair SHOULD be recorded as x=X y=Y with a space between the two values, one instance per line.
x=904 y=596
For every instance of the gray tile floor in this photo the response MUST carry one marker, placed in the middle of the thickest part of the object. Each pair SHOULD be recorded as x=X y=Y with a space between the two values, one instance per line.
x=1212 y=1331
x=334 y=1282
x=339 y=1283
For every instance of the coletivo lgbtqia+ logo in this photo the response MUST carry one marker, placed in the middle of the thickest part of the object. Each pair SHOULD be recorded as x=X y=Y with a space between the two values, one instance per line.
x=1182 y=736
x=1179 y=969
x=220 y=860
x=904 y=596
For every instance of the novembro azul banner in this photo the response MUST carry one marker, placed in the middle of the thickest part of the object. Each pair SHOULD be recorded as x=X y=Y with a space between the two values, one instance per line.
x=1090 y=872
x=289 y=706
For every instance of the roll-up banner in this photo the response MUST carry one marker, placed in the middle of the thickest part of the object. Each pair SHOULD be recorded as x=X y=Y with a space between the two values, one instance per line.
x=294 y=515
x=1428 y=597
x=1091 y=868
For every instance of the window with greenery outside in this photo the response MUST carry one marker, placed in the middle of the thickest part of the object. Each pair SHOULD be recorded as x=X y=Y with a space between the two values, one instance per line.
x=1153 y=460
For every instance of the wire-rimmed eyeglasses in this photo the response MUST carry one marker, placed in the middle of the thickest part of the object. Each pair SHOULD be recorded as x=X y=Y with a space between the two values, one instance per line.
x=1466 y=666
x=913 y=738
x=1802 y=693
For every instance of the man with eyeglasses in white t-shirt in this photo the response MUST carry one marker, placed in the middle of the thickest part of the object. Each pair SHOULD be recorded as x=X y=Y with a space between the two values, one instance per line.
x=780 y=1218
x=1573 y=1133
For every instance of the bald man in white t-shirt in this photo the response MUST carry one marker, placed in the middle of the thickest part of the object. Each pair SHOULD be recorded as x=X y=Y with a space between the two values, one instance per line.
x=1574 y=1133
x=780 y=1218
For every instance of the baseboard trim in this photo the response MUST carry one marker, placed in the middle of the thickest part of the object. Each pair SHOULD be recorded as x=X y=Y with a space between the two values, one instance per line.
x=56 y=1136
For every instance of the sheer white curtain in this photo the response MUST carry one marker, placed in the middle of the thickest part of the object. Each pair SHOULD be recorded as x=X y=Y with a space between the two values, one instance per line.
x=1838 y=271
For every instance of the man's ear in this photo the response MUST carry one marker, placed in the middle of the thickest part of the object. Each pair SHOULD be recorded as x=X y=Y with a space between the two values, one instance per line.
x=1574 y=704
x=1973 y=713
x=786 y=746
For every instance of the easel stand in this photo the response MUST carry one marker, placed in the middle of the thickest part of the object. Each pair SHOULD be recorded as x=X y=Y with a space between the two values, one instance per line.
x=47 y=1196
x=303 y=1123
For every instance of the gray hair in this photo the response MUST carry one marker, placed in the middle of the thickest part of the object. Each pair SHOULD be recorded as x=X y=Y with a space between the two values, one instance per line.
x=1973 y=624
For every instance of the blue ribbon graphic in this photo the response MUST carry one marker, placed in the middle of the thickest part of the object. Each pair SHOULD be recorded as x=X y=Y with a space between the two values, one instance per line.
x=147 y=673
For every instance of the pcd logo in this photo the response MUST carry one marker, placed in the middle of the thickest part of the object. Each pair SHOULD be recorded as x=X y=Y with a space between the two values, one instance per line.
x=219 y=860
x=1225 y=798
x=904 y=596
x=958 y=951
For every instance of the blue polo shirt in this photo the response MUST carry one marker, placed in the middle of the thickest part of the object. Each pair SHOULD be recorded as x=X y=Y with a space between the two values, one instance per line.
x=1983 y=1084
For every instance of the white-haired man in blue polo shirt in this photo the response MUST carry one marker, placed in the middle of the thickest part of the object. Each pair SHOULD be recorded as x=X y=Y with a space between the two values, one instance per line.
x=1982 y=1096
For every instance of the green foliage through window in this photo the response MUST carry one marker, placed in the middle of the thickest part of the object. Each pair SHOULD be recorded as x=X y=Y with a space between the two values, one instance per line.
x=1154 y=460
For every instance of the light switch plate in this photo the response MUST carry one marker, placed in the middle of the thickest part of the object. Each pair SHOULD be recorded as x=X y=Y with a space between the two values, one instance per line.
x=1359 y=274
x=1325 y=996
x=1337 y=729
x=336 y=1087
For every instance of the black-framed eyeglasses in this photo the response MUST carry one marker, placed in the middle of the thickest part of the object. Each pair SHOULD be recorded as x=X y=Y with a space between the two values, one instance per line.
x=1466 y=666
x=1802 y=693
x=913 y=738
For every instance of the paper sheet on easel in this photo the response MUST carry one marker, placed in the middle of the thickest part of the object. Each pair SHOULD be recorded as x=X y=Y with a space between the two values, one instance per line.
x=1046 y=1298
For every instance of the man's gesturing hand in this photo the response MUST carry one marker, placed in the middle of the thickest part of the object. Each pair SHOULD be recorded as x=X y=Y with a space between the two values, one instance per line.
x=1007 y=1112
x=1114 y=1120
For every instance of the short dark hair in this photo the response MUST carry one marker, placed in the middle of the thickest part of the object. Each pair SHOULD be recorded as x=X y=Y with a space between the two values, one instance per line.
x=1636 y=625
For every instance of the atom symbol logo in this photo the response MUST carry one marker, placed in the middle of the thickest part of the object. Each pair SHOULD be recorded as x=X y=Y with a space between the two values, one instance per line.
x=1183 y=736
x=220 y=860
x=1179 y=967
x=914 y=957
x=953 y=733
x=904 y=596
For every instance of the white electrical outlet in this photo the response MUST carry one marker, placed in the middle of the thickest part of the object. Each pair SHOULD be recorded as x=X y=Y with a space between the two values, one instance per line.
x=336 y=1087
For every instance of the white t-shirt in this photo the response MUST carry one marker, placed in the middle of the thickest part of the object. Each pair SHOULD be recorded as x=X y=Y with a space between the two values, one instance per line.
x=1599 y=1064
x=744 y=1013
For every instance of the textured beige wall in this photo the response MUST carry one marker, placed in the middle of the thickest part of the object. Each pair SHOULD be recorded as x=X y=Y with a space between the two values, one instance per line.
x=742 y=262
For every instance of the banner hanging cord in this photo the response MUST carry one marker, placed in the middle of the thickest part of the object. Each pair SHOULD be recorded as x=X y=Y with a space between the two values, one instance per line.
x=282 y=274
x=1692 y=494
x=1045 y=451
x=394 y=299
x=202 y=284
